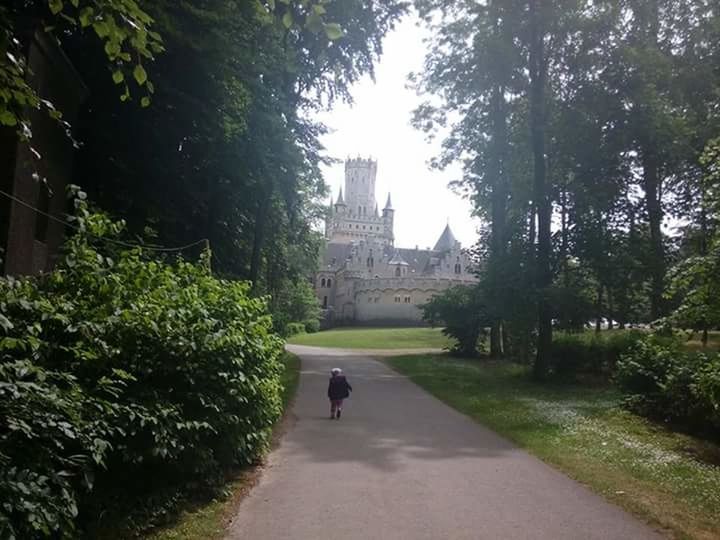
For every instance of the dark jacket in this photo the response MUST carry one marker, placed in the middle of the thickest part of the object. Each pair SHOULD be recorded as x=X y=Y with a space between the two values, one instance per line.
x=339 y=388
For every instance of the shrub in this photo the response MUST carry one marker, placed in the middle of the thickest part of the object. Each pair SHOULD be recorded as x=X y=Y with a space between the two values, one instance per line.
x=115 y=369
x=663 y=382
x=589 y=352
x=312 y=326
x=294 y=302
x=294 y=328
x=461 y=310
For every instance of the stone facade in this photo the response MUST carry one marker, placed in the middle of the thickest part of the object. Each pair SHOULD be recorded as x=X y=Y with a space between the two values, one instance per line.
x=363 y=278
x=29 y=240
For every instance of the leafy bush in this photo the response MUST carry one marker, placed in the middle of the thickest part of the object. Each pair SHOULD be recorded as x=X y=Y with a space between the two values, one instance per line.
x=294 y=328
x=312 y=326
x=666 y=383
x=114 y=369
x=461 y=310
x=589 y=352
x=294 y=303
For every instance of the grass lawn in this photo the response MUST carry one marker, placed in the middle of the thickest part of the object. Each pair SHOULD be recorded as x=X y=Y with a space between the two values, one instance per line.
x=670 y=479
x=207 y=520
x=695 y=343
x=375 y=338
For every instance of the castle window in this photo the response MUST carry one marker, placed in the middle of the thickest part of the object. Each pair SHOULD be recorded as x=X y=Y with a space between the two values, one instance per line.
x=407 y=299
x=363 y=227
x=397 y=298
x=322 y=282
x=324 y=302
x=458 y=268
x=369 y=300
x=359 y=211
x=370 y=262
x=397 y=273
x=329 y=282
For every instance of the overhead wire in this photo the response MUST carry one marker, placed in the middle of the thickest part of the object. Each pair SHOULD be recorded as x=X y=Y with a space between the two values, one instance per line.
x=204 y=241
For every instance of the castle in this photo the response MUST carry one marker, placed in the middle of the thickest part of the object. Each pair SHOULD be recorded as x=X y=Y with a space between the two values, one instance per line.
x=363 y=278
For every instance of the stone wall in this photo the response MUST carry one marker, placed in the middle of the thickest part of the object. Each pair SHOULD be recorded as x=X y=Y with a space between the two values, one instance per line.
x=31 y=239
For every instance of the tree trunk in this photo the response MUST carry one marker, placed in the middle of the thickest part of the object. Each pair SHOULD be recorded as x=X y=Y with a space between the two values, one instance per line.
x=564 y=236
x=610 y=309
x=498 y=205
x=261 y=214
x=599 y=309
x=538 y=75
x=651 y=185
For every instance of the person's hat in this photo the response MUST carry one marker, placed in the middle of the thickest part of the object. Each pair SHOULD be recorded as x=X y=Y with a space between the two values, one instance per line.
x=336 y=371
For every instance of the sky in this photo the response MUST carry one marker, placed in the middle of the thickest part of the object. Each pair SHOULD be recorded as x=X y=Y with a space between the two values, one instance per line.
x=377 y=125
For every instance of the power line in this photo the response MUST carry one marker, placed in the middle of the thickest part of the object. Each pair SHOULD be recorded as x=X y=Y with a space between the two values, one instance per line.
x=109 y=240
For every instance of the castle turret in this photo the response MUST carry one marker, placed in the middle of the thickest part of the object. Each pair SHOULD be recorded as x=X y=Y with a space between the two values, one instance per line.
x=388 y=216
x=340 y=206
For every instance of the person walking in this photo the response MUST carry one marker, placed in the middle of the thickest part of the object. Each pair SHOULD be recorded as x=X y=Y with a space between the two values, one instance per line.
x=338 y=390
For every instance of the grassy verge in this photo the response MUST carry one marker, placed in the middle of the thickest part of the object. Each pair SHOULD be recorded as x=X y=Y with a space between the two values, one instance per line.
x=375 y=338
x=667 y=478
x=207 y=520
x=695 y=342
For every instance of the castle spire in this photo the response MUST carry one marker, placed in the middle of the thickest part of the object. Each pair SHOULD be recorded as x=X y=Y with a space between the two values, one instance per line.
x=388 y=204
x=340 y=200
x=376 y=210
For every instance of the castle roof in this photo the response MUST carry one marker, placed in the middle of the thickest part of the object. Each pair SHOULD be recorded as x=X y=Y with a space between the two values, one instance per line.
x=446 y=241
x=397 y=258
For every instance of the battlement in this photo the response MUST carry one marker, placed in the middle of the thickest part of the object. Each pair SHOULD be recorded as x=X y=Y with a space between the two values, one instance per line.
x=360 y=163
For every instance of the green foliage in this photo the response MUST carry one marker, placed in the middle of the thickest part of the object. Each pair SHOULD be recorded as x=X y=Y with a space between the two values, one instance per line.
x=696 y=279
x=120 y=367
x=571 y=201
x=312 y=326
x=462 y=312
x=294 y=328
x=666 y=383
x=126 y=36
x=590 y=352
x=295 y=307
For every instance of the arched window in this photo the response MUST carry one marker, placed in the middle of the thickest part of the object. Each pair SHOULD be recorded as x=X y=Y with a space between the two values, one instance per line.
x=324 y=302
x=397 y=272
x=329 y=282
x=458 y=268
x=322 y=282
x=359 y=210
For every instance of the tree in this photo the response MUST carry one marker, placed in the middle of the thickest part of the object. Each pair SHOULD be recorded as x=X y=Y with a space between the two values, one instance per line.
x=227 y=150
x=697 y=279
x=461 y=311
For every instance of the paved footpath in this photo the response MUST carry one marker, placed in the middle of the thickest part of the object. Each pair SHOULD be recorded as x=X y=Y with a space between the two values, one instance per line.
x=402 y=465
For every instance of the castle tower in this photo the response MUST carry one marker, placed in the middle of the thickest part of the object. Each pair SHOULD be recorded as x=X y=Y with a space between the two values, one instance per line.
x=360 y=175
x=355 y=215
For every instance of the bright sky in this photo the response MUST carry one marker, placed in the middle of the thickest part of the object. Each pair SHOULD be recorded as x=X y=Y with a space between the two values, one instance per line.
x=377 y=125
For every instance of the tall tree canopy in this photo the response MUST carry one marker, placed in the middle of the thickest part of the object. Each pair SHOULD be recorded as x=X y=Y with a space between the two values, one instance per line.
x=580 y=127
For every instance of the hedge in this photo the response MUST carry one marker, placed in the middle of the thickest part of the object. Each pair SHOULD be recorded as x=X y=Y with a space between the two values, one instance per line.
x=123 y=370
x=665 y=383
x=590 y=353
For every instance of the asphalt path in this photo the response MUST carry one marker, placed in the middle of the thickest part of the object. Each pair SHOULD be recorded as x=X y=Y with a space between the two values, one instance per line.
x=400 y=464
